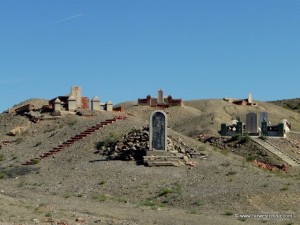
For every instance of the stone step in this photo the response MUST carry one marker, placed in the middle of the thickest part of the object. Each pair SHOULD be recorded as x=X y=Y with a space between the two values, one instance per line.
x=164 y=163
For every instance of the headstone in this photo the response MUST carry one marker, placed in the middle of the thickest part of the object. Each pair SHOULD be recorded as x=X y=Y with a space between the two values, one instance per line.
x=251 y=123
x=263 y=117
x=264 y=128
x=223 y=129
x=57 y=105
x=158 y=131
x=239 y=128
x=281 y=132
x=72 y=103
x=160 y=97
x=95 y=104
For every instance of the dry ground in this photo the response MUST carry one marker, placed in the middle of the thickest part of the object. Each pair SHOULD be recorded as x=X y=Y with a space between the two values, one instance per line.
x=78 y=184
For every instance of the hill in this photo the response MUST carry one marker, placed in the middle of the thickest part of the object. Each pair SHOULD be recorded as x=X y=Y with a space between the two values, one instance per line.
x=291 y=104
x=79 y=184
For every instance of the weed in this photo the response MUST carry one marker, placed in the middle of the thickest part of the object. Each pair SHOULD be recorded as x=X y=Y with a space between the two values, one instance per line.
x=284 y=189
x=225 y=164
x=24 y=133
x=122 y=200
x=22 y=182
x=2 y=175
x=262 y=137
x=198 y=203
x=201 y=148
x=19 y=140
x=35 y=161
x=79 y=195
x=264 y=185
x=242 y=219
x=67 y=195
x=72 y=123
x=236 y=137
x=250 y=158
x=113 y=136
x=150 y=203
x=100 y=198
x=48 y=214
x=228 y=213
x=230 y=173
x=1 y=157
x=38 y=144
x=165 y=191
x=102 y=182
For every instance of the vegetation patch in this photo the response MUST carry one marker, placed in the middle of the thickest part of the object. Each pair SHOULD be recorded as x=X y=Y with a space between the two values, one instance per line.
x=100 y=197
x=230 y=173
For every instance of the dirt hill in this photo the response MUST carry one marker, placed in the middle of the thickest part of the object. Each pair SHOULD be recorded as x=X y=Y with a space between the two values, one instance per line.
x=78 y=184
x=291 y=104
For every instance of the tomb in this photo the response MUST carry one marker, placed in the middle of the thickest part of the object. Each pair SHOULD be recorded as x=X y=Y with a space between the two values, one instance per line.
x=160 y=101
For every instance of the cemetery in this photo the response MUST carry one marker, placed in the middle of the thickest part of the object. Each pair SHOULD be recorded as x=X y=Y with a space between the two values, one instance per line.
x=143 y=158
x=255 y=127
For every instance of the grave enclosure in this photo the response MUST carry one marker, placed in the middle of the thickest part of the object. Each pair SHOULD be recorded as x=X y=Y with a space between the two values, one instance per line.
x=253 y=127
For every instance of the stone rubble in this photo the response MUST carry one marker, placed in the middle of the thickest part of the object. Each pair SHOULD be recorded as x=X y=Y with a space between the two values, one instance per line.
x=135 y=146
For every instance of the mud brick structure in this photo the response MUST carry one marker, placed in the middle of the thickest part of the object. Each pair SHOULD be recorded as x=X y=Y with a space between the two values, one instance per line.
x=160 y=101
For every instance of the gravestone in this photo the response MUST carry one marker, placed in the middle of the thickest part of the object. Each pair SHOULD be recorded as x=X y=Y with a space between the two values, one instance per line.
x=251 y=123
x=263 y=117
x=158 y=131
x=239 y=128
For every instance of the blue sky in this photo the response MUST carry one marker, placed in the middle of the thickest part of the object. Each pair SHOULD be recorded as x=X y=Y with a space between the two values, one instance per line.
x=125 y=49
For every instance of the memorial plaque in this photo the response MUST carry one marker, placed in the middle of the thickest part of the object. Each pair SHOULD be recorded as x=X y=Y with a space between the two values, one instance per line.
x=158 y=131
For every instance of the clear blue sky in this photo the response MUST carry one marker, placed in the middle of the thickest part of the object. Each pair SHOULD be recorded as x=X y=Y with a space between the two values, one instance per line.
x=125 y=49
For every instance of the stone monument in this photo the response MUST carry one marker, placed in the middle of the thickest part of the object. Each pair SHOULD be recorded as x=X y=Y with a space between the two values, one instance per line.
x=251 y=123
x=57 y=105
x=95 y=104
x=263 y=116
x=72 y=103
x=158 y=131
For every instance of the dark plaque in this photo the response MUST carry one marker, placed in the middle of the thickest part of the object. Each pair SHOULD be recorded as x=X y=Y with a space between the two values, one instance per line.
x=158 y=131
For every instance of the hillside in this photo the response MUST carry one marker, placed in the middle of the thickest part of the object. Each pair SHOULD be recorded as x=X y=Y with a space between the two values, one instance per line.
x=291 y=104
x=78 y=183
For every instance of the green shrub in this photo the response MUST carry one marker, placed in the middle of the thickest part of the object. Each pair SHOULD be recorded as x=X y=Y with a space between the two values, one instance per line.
x=100 y=197
x=262 y=137
x=230 y=173
x=36 y=161
x=236 y=137
x=228 y=213
x=250 y=158
x=2 y=175
x=245 y=139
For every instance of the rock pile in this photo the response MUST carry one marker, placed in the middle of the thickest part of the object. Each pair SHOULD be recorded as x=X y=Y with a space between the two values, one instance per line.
x=135 y=145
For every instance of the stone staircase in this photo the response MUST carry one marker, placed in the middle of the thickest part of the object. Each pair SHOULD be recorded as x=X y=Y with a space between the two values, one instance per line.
x=74 y=139
x=277 y=151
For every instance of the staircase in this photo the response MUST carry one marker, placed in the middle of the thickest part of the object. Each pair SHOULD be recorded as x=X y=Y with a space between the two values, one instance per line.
x=74 y=139
x=277 y=151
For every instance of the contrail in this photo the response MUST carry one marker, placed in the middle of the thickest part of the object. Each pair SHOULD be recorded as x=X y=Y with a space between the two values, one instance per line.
x=66 y=19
